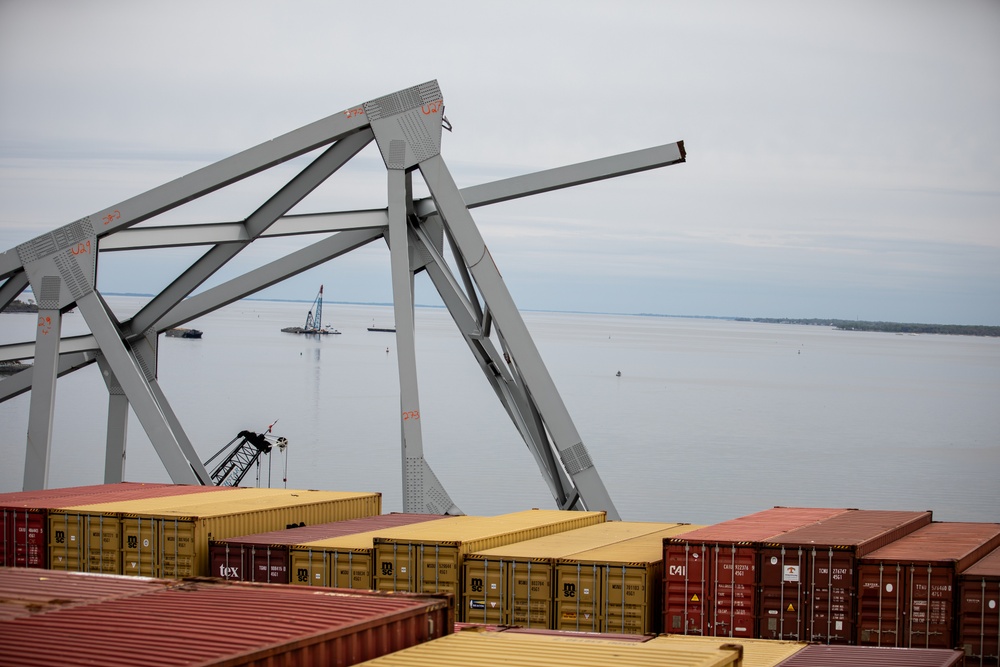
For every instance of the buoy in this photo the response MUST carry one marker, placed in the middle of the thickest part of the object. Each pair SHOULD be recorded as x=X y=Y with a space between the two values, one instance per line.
x=618 y=374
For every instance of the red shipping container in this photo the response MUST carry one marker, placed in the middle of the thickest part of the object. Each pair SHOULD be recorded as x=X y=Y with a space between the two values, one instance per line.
x=907 y=590
x=808 y=577
x=25 y=513
x=214 y=622
x=870 y=656
x=979 y=610
x=710 y=574
x=264 y=557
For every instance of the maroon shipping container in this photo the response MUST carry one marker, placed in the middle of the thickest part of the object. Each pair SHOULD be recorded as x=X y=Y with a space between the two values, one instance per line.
x=214 y=622
x=26 y=591
x=25 y=513
x=264 y=557
x=865 y=656
x=907 y=590
x=808 y=577
x=979 y=611
x=710 y=574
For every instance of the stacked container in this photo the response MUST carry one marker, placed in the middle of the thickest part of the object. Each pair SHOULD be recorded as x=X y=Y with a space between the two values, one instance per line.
x=347 y=561
x=428 y=557
x=488 y=649
x=871 y=656
x=979 y=611
x=756 y=652
x=711 y=574
x=264 y=557
x=906 y=590
x=614 y=588
x=169 y=537
x=809 y=576
x=223 y=623
x=514 y=584
x=26 y=513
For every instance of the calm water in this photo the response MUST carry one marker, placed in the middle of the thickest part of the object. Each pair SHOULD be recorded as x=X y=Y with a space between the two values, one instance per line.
x=709 y=420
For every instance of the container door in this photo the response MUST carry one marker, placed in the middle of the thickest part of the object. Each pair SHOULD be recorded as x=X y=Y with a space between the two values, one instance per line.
x=25 y=538
x=782 y=593
x=439 y=570
x=831 y=597
x=734 y=591
x=931 y=594
x=177 y=554
x=685 y=597
x=67 y=543
x=351 y=569
x=485 y=592
x=578 y=588
x=627 y=599
x=269 y=565
x=310 y=567
x=979 y=620
x=530 y=600
x=228 y=561
x=880 y=604
x=139 y=547
x=396 y=566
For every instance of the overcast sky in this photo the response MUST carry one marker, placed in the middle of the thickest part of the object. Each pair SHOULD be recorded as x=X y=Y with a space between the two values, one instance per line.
x=843 y=157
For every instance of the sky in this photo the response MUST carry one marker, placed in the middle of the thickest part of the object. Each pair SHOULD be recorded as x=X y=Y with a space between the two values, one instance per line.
x=843 y=157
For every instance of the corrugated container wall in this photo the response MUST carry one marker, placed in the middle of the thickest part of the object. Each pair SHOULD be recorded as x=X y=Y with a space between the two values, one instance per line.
x=907 y=590
x=343 y=562
x=615 y=588
x=711 y=574
x=488 y=649
x=227 y=623
x=808 y=577
x=264 y=557
x=515 y=584
x=979 y=611
x=428 y=557
x=160 y=538
x=25 y=514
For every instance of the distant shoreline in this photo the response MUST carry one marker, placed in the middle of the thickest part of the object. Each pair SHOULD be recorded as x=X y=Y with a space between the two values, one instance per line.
x=842 y=325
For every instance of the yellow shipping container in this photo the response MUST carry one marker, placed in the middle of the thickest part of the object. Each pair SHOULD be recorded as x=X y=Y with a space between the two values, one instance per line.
x=87 y=538
x=514 y=584
x=756 y=652
x=487 y=649
x=427 y=558
x=174 y=543
x=341 y=562
x=615 y=588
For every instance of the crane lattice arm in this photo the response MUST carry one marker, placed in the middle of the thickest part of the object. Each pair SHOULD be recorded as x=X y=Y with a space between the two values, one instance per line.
x=241 y=453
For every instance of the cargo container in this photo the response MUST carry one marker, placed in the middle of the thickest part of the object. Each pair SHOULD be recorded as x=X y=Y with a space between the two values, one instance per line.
x=165 y=537
x=488 y=649
x=979 y=611
x=514 y=584
x=87 y=537
x=871 y=656
x=428 y=557
x=808 y=576
x=614 y=588
x=345 y=561
x=216 y=622
x=907 y=590
x=710 y=575
x=756 y=652
x=264 y=557
x=27 y=591
x=25 y=514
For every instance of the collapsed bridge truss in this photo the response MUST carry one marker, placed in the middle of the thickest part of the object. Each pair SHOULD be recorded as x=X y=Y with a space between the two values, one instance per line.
x=61 y=269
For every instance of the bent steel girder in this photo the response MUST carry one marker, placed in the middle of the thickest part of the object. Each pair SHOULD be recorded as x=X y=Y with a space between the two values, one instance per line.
x=407 y=128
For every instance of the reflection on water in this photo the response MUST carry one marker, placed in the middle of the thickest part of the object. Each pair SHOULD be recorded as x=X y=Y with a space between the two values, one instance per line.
x=708 y=420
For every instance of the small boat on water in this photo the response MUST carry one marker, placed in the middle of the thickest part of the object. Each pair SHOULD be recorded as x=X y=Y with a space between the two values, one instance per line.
x=314 y=320
x=181 y=332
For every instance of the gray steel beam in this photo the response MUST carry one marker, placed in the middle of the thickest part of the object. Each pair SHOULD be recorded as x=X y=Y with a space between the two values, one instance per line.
x=572 y=452
x=12 y=288
x=20 y=382
x=114 y=455
x=137 y=390
x=43 y=395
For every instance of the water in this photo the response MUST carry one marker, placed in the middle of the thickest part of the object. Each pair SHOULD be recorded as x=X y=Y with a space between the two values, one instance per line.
x=709 y=420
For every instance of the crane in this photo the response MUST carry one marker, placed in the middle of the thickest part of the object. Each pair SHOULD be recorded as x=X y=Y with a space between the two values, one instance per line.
x=241 y=453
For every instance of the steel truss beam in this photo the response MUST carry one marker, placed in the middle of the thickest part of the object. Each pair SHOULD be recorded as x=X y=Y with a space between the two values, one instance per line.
x=61 y=269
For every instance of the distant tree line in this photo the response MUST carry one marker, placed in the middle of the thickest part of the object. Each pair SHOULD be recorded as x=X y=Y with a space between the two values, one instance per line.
x=889 y=327
x=17 y=306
